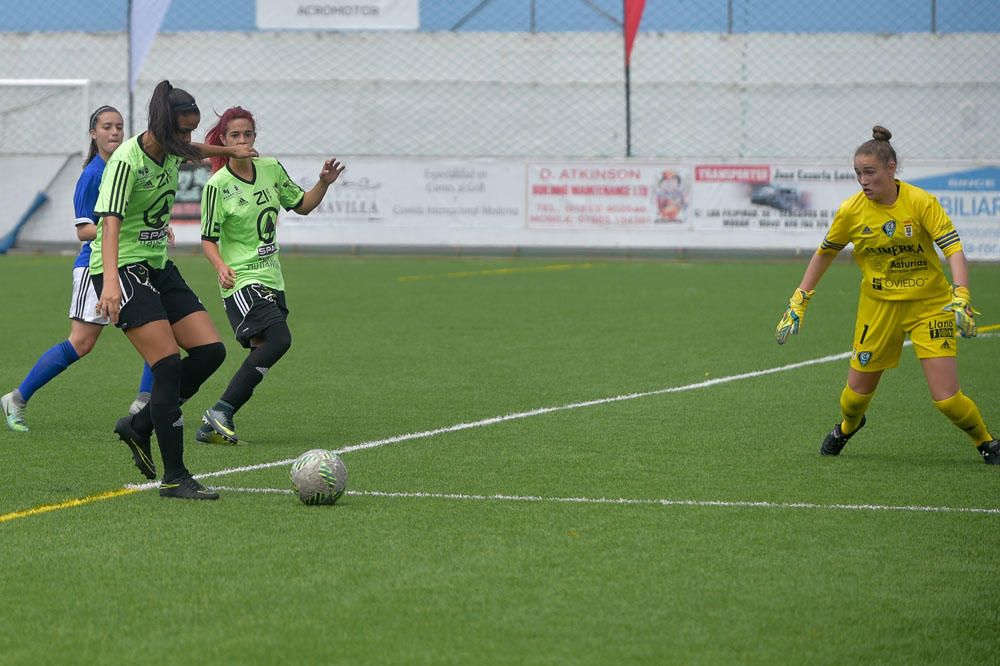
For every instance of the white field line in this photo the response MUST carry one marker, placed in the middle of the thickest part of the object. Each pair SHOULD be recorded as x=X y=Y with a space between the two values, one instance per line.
x=468 y=425
x=632 y=501
x=546 y=410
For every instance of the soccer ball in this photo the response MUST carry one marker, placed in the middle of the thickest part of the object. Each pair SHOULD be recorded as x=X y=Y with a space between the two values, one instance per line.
x=319 y=477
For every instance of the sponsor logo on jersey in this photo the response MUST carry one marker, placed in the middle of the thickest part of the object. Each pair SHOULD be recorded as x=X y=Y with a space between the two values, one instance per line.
x=158 y=214
x=242 y=202
x=230 y=191
x=945 y=345
x=880 y=284
x=267 y=225
x=867 y=231
x=908 y=230
x=889 y=228
x=907 y=265
x=152 y=236
x=896 y=249
x=267 y=250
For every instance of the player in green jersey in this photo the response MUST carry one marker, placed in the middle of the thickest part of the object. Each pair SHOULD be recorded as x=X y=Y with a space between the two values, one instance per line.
x=239 y=215
x=894 y=227
x=143 y=293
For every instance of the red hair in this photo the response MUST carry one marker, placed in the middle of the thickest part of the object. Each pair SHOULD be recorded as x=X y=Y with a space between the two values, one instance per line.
x=218 y=130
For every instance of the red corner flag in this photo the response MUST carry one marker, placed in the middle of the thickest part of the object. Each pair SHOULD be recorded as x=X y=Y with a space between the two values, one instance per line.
x=633 y=15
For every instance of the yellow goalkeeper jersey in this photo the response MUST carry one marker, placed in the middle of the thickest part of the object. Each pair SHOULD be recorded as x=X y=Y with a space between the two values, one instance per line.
x=893 y=245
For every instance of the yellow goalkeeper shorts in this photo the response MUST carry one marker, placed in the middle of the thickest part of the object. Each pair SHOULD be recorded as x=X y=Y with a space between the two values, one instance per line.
x=882 y=326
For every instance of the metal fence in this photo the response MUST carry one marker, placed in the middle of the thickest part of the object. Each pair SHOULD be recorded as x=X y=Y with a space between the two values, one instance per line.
x=724 y=79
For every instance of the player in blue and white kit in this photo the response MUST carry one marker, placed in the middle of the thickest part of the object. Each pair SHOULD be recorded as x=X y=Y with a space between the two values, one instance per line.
x=106 y=133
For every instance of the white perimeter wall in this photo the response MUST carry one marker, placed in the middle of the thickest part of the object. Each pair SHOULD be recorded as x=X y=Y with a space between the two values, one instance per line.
x=385 y=101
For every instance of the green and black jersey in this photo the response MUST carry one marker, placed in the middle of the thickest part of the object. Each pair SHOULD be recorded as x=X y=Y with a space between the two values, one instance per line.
x=242 y=217
x=140 y=191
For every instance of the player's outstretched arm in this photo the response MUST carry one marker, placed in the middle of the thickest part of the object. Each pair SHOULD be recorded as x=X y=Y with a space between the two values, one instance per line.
x=328 y=175
x=239 y=151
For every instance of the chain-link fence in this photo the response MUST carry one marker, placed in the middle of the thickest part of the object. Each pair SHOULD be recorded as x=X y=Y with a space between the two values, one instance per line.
x=715 y=79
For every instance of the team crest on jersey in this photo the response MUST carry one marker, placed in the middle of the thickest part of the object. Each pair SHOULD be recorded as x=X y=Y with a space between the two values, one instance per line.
x=864 y=358
x=889 y=228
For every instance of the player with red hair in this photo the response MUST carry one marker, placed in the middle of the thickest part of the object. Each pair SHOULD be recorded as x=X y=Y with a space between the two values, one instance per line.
x=239 y=216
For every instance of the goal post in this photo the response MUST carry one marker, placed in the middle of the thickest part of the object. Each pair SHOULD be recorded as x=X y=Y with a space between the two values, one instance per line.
x=44 y=116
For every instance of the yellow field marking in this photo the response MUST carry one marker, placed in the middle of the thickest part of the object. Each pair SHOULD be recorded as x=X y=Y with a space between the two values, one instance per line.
x=68 y=504
x=495 y=271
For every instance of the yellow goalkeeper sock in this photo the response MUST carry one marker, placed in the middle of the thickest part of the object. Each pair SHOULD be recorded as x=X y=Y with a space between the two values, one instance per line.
x=962 y=411
x=853 y=406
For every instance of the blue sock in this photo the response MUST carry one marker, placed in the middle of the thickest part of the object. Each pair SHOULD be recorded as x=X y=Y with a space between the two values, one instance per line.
x=50 y=364
x=146 y=383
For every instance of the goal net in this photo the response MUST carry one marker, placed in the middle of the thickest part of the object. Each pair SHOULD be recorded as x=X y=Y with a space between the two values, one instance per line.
x=44 y=116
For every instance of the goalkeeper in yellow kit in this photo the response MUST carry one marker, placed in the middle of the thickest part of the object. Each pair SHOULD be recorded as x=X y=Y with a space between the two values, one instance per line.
x=892 y=226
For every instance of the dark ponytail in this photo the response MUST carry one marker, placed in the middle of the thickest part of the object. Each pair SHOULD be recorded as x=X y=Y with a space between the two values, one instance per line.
x=165 y=105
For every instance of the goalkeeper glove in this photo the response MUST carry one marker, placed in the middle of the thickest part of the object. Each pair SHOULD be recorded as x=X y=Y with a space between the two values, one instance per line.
x=964 y=312
x=792 y=319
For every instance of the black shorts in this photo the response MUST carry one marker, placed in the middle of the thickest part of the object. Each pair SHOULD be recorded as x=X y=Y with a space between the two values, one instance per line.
x=151 y=294
x=252 y=309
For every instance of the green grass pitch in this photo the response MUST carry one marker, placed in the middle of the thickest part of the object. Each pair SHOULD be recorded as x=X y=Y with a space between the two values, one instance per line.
x=696 y=525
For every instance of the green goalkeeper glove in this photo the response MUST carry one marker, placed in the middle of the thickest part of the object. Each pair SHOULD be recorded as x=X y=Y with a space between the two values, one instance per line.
x=964 y=312
x=792 y=319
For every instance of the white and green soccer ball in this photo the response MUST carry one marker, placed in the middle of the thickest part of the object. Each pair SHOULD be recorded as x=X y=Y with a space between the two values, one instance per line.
x=319 y=477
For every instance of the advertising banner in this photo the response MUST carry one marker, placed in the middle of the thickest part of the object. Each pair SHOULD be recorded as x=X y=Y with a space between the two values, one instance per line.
x=191 y=179
x=971 y=197
x=574 y=195
x=770 y=197
x=412 y=202
x=338 y=15
x=763 y=205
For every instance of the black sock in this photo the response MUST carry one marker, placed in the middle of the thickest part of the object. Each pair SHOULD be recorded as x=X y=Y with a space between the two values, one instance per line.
x=277 y=339
x=198 y=366
x=164 y=410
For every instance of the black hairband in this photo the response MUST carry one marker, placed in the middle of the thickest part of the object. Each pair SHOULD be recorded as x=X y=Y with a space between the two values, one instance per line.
x=184 y=107
x=96 y=114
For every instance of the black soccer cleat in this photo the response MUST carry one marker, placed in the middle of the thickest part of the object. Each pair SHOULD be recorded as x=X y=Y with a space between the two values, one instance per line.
x=990 y=452
x=142 y=456
x=835 y=442
x=222 y=425
x=187 y=488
